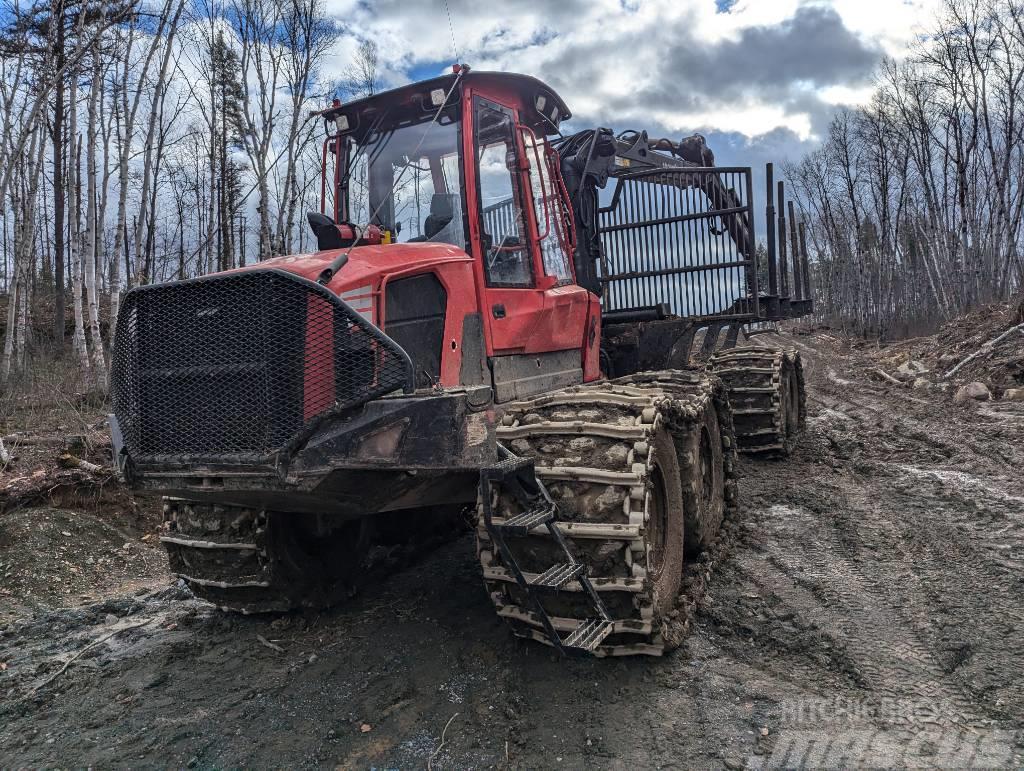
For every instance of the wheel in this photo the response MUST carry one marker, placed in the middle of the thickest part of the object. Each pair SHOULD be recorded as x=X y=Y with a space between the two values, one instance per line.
x=766 y=390
x=704 y=488
x=251 y=561
x=664 y=532
x=629 y=463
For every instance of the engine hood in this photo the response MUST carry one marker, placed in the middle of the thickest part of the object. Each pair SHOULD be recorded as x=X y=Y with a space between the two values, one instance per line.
x=368 y=265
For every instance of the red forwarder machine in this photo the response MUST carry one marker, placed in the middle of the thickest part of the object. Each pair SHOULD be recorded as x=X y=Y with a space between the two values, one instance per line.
x=542 y=325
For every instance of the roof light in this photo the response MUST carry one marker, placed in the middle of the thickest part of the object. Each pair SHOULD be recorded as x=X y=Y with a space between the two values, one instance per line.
x=437 y=97
x=541 y=101
x=341 y=123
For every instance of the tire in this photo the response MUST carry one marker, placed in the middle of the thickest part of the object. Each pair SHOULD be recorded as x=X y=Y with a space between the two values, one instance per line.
x=665 y=530
x=618 y=458
x=704 y=483
x=766 y=390
x=250 y=561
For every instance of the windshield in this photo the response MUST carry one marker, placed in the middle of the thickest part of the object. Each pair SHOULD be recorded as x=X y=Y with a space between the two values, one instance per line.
x=406 y=180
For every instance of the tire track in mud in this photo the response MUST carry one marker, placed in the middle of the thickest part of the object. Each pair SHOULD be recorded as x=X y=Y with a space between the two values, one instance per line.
x=898 y=561
x=952 y=523
x=965 y=566
x=820 y=581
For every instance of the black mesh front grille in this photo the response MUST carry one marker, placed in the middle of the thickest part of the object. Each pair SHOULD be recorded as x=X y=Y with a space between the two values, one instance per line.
x=238 y=365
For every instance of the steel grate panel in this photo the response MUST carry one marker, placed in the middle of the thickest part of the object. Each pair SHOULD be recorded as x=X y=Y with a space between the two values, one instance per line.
x=239 y=365
x=680 y=237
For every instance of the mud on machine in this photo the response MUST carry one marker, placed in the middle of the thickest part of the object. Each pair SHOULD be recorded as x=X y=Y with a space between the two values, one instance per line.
x=542 y=325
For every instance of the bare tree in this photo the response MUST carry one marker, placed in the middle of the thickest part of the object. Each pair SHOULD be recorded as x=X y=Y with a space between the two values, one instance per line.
x=306 y=38
x=916 y=200
x=362 y=78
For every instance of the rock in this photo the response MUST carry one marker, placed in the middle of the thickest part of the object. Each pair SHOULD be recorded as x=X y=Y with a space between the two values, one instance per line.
x=976 y=390
x=1013 y=395
x=910 y=369
x=922 y=384
x=521 y=447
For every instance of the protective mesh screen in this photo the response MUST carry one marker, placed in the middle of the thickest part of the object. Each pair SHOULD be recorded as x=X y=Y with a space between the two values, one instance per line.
x=681 y=237
x=237 y=365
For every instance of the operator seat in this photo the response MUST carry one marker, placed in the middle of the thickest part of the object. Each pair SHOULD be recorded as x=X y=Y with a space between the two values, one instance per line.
x=442 y=213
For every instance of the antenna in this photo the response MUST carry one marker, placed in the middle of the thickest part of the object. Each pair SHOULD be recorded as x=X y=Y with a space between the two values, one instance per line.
x=451 y=29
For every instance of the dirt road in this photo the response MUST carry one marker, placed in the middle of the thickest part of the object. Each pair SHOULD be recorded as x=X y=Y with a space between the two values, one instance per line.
x=870 y=592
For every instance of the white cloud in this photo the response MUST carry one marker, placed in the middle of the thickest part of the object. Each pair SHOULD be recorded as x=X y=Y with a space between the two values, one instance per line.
x=680 y=63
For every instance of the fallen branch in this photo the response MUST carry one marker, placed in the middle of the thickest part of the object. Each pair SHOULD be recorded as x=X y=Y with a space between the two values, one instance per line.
x=70 y=461
x=888 y=377
x=430 y=760
x=984 y=349
x=264 y=641
x=82 y=652
x=28 y=440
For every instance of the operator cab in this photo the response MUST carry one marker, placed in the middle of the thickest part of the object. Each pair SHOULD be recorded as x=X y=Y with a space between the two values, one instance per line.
x=395 y=159
x=464 y=160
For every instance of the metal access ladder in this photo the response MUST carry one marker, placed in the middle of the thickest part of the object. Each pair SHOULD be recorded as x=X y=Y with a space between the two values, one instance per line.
x=518 y=476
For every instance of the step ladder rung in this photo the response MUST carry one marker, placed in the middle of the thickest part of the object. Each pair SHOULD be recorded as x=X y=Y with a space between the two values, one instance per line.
x=588 y=635
x=509 y=466
x=557 y=576
x=522 y=524
x=525 y=486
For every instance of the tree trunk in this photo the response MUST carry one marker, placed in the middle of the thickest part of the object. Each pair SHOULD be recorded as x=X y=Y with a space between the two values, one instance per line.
x=58 y=180
x=78 y=339
x=90 y=255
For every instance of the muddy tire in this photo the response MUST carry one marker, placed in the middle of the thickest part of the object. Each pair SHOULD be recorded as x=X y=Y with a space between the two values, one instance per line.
x=766 y=390
x=251 y=561
x=704 y=483
x=665 y=515
x=622 y=460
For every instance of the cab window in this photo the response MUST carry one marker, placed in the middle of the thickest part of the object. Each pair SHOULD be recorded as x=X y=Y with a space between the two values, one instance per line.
x=506 y=244
x=547 y=205
x=405 y=180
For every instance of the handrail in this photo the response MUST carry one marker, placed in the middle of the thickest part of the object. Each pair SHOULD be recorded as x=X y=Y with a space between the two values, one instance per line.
x=543 y=191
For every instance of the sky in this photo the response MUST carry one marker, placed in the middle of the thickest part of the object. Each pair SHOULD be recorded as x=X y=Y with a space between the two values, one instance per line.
x=760 y=79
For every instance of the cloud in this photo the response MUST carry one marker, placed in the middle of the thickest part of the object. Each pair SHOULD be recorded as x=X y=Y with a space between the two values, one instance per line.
x=744 y=68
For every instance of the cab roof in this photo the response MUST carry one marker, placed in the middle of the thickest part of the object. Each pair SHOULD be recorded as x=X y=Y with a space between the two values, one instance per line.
x=539 y=99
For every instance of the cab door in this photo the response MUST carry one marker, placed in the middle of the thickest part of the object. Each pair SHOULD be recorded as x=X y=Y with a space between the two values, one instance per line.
x=504 y=242
x=533 y=312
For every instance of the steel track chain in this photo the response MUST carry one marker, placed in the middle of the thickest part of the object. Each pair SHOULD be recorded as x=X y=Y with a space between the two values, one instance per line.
x=592 y=448
x=757 y=379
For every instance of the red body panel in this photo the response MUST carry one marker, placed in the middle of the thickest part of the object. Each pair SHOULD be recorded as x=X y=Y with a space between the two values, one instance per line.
x=375 y=266
x=538 y=319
